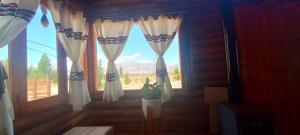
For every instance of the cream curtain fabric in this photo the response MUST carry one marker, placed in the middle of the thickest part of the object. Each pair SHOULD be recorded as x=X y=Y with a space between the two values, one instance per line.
x=14 y=17
x=6 y=113
x=71 y=30
x=112 y=36
x=160 y=32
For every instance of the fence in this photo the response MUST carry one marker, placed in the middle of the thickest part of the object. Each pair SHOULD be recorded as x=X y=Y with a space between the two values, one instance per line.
x=38 y=88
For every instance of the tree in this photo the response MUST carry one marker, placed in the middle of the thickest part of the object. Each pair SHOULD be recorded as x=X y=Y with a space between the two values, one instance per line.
x=176 y=74
x=44 y=65
x=32 y=73
x=127 y=79
x=100 y=75
x=54 y=76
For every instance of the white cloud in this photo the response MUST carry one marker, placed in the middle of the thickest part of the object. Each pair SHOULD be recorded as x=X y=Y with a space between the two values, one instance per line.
x=136 y=54
x=132 y=56
x=129 y=58
x=145 y=61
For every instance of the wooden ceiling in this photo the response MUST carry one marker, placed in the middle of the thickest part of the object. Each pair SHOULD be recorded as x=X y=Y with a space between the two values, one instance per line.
x=94 y=9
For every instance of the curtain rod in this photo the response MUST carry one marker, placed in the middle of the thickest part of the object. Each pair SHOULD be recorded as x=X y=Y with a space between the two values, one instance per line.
x=134 y=14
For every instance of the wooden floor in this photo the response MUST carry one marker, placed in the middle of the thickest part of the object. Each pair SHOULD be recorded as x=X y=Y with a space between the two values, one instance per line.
x=186 y=114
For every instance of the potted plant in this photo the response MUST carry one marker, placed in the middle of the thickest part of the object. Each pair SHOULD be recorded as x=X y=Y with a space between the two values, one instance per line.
x=151 y=98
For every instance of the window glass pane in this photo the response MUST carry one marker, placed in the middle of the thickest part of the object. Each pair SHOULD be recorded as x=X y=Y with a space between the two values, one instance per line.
x=42 y=76
x=69 y=65
x=4 y=57
x=137 y=62
x=172 y=60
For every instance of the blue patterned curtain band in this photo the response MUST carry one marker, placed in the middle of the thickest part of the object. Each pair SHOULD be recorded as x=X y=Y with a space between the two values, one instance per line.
x=69 y=32
x=146 y=16
x=77 y=76
x=111 y=77
x=162 y=73
x=25 y=14
x=13 y=10
x=160 y=38
x=112 y=40
x=174 y=15
x=9 y=9
x=63 y=4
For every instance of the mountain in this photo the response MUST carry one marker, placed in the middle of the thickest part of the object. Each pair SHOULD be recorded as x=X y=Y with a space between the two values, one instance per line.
x=140 y=68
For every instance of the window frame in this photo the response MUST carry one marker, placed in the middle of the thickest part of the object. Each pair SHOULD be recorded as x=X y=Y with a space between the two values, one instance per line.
x=18 y=78
x=91 y=59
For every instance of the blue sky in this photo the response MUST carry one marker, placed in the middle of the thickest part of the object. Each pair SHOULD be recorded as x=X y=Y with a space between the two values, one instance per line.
x=136 y=49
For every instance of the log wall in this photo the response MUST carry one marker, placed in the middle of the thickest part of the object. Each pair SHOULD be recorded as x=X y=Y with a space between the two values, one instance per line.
x=203 y=60
x=269 y=44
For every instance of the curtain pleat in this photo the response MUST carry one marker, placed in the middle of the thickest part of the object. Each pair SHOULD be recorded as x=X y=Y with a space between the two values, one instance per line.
x=112 y=36
x=160 y=32
x=14 y=17
x=72 y=31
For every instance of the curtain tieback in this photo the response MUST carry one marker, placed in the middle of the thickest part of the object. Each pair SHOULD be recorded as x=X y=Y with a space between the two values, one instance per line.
x=77 y=76
x=162 y=73
x=110 y=77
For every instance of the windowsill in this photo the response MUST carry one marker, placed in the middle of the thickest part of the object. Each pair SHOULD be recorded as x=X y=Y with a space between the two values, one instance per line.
x=137 y=91
x=126 y=90
x=34 y=106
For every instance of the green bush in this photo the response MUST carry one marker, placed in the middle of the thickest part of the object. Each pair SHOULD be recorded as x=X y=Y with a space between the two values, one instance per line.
x=127 y=79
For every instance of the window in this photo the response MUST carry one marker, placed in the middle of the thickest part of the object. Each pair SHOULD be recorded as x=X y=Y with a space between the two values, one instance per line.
x=137 y=62
x=42 y=75
x=69 y=65
x=4 y=57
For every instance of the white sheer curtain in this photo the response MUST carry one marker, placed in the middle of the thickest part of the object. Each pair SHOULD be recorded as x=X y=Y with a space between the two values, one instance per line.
x=112 y=36
x=71 y=30
x=14 y=17
x=160 y=32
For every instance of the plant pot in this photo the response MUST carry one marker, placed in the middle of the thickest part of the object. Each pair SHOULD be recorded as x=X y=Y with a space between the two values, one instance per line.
x=155 y=104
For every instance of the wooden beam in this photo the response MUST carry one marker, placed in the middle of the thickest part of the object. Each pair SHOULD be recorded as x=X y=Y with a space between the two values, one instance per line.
x=92 y=60
x=17 y=51
x=95 y=10
x=62 y=69
x=234 y=81
x=185 y=54
x=247 y=2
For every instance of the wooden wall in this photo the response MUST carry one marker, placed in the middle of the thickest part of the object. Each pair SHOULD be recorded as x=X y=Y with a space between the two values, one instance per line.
x=53 y=121
x=201 y=43
x=269 y=46
x=206 y=41
x=184 y=114
x=202 y=48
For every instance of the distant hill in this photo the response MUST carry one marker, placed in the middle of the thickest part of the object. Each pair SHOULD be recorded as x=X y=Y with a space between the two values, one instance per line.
x=135 y=67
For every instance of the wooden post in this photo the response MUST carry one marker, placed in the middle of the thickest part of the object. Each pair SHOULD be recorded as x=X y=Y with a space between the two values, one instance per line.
x=149 y=120
x=62 y=69
x=18 y=70
x=185 y=55
x=235 y=91
x=91 y=60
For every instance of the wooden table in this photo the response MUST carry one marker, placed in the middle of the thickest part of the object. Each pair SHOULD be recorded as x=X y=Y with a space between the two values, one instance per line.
x=103 y=130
